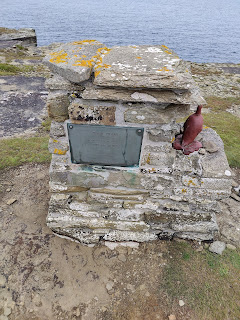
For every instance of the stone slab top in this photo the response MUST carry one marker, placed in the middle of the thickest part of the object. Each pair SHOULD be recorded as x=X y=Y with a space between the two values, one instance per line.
x=155 y=67
x=74 y=61
x=151 y=67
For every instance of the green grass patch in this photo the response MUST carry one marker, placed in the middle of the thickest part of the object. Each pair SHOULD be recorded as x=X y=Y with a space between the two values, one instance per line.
x=9 y=69
x=46 y=124
x=17 y=151
x=228 y=127
x=220 y=104
x=18 y=46
x=208 y=283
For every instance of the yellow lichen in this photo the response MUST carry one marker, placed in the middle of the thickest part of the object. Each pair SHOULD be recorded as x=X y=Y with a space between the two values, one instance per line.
x=148 y=159
x=59 y=57
x=191 y=182
x=184 y=190
x=164 y=69
x=139 y=57
x=59 y=151
x=84 y=42
x=173 y=139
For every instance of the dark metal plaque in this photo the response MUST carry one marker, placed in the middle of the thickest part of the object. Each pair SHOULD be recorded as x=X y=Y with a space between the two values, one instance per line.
x=105 y=145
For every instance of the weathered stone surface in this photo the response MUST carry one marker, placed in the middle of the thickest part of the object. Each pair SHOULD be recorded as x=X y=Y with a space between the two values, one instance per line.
x=143 y=66
x=58 y=146
x=187 y=163
x=57 y=130
x=87 y=178
x=217 y=247
x=159 y=157
x=155 y=114
x=74 y=61
x=199 y=227
x=90 y=112
x=56 y=220
x=56 y=82
x=145 y=96
x=57 y=105
x=214 y=164
x=210 y=146
x=117 y=235
x=25 y=36
x=165 y=133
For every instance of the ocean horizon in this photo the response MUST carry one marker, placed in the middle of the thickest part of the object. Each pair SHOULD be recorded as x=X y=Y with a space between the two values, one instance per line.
x=198 y=31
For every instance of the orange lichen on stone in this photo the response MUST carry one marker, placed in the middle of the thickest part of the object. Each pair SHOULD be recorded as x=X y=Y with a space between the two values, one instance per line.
x=164 y=69
x=61 y=152
x=59 y=57
x=191 y=182
x=139 y=57
x=166 y=49
x=84 y=42
x=148 y=159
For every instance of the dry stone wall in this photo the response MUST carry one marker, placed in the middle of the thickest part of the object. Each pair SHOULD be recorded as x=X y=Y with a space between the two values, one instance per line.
x=168 y=193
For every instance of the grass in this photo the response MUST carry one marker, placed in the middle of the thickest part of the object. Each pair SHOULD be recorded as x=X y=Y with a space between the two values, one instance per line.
x=46 y=124
x=206 y=282
x=221 y=104
x=17 y=151
x=198 y=70
x=9 y=69
x=228 y=127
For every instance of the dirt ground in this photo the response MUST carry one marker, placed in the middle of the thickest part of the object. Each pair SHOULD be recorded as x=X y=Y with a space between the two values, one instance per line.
x=46 y=277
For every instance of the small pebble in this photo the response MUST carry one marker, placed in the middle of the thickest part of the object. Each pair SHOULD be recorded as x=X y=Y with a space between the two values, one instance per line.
x=217 y=247
x=109 y=285
x=7 y=311
x=181 y=303
x=202 y=151
x=172 y=317
x=11 y=201
x=122 y=257
x=8 y=189
x=199 y=249
x=228 y=173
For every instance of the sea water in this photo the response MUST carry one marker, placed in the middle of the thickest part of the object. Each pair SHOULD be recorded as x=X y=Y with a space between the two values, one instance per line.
x=198 y=30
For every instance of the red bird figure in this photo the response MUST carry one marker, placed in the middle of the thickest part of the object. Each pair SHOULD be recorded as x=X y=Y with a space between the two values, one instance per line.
x=192 y=127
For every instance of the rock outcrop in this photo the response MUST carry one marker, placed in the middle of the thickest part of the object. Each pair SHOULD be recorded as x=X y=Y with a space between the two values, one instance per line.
x=12 y=37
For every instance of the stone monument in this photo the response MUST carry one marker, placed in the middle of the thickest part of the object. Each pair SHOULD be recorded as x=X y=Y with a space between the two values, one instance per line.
x=115 y=175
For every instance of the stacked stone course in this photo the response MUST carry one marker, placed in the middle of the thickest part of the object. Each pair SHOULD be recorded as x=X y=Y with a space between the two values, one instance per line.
x=168 y=194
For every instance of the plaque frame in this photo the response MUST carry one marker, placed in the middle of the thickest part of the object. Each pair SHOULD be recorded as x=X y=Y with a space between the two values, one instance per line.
x=105 y=145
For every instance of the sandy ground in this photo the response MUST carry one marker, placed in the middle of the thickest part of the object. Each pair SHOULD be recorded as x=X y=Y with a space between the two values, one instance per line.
x=46 y=277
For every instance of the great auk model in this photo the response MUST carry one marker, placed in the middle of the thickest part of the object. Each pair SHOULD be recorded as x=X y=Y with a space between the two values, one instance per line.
x=191 y=128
